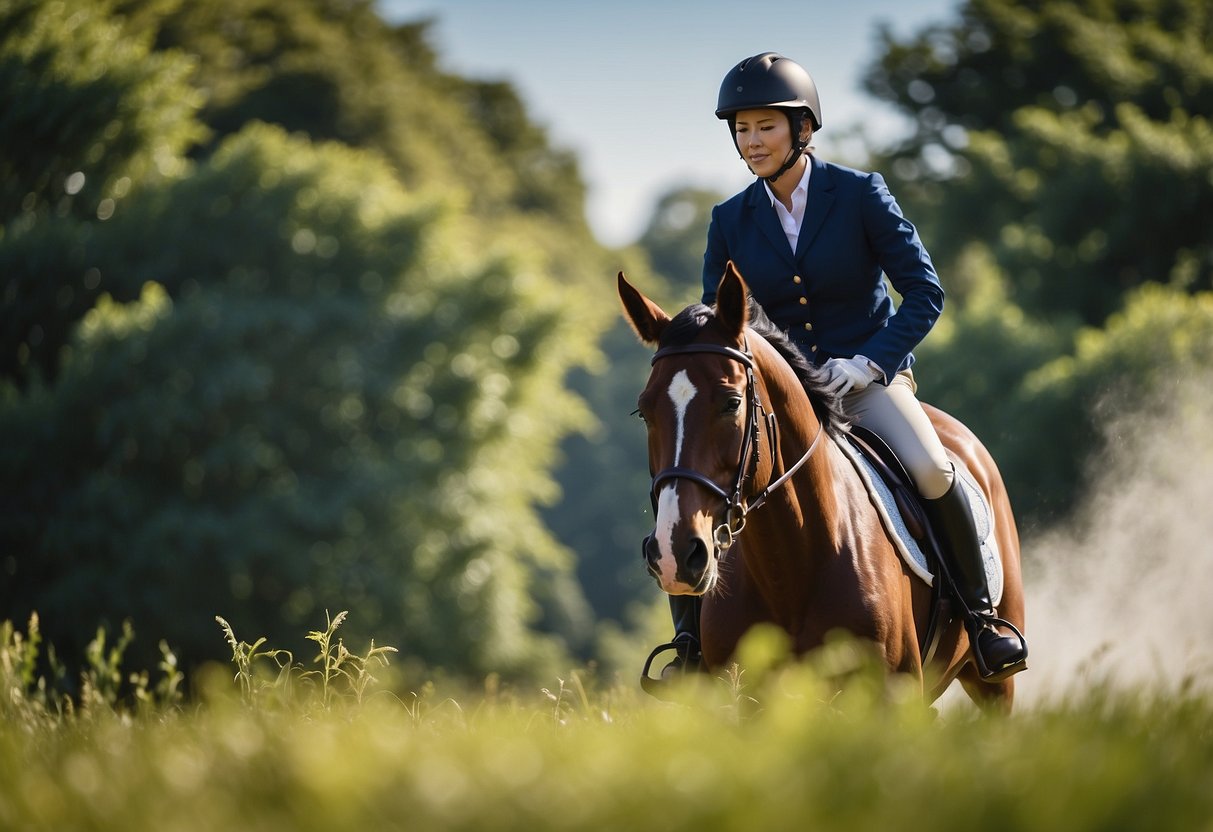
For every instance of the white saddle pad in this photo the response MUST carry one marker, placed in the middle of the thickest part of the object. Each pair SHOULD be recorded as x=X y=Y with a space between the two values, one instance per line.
x=911 y=552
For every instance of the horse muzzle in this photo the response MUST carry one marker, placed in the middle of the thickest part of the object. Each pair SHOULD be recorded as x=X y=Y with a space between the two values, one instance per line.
x=693 y=570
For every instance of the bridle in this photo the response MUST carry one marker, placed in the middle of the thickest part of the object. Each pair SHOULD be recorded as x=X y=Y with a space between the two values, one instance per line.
x=737 y=507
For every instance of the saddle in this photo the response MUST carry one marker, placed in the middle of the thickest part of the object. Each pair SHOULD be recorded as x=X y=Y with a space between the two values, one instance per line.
x=895 y=477
x=895 y=496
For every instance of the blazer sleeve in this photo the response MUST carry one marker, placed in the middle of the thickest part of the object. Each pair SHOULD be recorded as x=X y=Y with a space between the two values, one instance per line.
x=905 y=261
x=715 y=258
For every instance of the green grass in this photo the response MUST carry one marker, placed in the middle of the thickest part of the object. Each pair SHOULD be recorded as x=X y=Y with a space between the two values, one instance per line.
x=272 y=744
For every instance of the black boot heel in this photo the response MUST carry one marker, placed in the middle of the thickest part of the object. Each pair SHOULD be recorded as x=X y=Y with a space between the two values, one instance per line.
x=979 y=625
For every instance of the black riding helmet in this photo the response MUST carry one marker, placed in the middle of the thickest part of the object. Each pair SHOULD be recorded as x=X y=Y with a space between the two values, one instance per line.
x=770 y=80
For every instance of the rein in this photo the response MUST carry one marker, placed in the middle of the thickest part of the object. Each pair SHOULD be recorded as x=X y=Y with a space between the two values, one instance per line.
x=737 y=507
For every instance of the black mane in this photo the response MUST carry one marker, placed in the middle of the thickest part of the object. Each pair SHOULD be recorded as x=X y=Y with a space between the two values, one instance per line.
x=688 y=323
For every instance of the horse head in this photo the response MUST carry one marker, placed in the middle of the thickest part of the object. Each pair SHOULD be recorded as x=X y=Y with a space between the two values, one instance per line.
x=700 y=407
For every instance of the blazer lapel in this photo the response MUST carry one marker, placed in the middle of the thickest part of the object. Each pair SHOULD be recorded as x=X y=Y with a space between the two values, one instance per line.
x=759 y=202
x=820 y=201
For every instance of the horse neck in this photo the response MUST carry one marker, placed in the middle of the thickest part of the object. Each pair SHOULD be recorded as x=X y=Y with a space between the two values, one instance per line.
x=799 y=424
x=803 y=513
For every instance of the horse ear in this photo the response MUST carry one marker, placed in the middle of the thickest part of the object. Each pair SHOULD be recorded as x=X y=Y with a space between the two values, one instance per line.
x=647 y=318
x=732 y=300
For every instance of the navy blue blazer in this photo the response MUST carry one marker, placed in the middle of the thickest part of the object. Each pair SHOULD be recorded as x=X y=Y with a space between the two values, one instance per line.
x=830 y=295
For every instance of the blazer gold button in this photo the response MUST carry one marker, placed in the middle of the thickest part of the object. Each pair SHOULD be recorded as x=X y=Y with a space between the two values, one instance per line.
x=803 y=301
x=808 y=327
x=796 y=278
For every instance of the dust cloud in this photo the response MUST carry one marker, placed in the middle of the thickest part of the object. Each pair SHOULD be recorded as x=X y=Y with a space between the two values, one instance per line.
x=1121 y=594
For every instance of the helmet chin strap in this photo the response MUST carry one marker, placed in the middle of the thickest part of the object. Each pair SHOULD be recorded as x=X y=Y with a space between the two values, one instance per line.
x=793 y=158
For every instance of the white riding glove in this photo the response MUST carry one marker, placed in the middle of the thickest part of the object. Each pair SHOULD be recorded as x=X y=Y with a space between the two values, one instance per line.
x=850 y=374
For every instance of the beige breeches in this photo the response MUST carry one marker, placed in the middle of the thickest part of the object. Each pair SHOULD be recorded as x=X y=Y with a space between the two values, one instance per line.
x=895 y=415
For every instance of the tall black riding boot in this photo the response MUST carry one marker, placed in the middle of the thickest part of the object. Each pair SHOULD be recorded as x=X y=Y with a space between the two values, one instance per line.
x=997 y=653
x=687 y=659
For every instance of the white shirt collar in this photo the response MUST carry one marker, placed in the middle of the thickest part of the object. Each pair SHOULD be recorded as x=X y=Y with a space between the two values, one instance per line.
x=800 y=193
x=792 y=220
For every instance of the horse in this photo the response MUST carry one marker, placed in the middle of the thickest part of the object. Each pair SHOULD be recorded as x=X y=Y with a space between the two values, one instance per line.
x=758 y=510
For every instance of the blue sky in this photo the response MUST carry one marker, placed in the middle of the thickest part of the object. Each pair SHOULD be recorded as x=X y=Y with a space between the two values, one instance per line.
x=630 y=85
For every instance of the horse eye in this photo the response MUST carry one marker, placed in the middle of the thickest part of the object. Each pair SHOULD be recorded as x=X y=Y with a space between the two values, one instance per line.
x=732 y=404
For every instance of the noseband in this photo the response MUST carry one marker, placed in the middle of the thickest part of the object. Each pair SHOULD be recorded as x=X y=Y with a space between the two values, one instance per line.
x=737 y=507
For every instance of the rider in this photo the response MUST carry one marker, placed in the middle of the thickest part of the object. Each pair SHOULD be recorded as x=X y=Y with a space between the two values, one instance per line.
x=814 y=242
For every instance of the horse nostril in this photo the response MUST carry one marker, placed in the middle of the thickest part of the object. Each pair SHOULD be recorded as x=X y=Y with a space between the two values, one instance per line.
x=697 y=557
x=650 y=552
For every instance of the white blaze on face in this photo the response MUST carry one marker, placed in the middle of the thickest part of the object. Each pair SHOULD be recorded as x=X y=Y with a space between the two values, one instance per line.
x=681 y=392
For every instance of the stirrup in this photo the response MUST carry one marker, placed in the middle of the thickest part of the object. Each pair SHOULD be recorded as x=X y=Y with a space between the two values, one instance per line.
x=687 y=660
x=974 y=624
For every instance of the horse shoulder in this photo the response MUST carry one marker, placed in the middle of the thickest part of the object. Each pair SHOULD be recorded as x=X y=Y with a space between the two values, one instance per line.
x=866 y=560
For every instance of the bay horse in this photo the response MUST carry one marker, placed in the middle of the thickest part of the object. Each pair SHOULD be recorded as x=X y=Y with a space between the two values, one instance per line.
x=758 y=510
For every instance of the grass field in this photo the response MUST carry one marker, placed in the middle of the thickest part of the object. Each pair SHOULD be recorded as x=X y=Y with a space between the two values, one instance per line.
x=331 y=748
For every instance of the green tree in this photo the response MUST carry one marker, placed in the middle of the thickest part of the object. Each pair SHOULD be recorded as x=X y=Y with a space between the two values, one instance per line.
x=605 y=509
x=338 y=71
x=607 y=465
x=90 y=116
x=288 y=378
x=88 y=111
x=331 y=408
x=1108 y=373
x=1070 y=136
x=675 y=237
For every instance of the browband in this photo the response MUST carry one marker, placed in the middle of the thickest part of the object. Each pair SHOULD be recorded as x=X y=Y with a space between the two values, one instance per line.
x=737 y=355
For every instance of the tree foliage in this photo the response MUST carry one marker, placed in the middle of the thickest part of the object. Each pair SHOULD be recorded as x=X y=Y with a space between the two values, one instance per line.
x=607 y=465
x=674 y=239
x=337 y=71
x=88 y=109
x=1062 y=405
x=291 y=372
x=1070 y=136
x=90 y=114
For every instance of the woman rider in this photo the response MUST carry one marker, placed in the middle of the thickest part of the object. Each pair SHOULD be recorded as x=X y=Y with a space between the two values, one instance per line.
x=814 y=242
